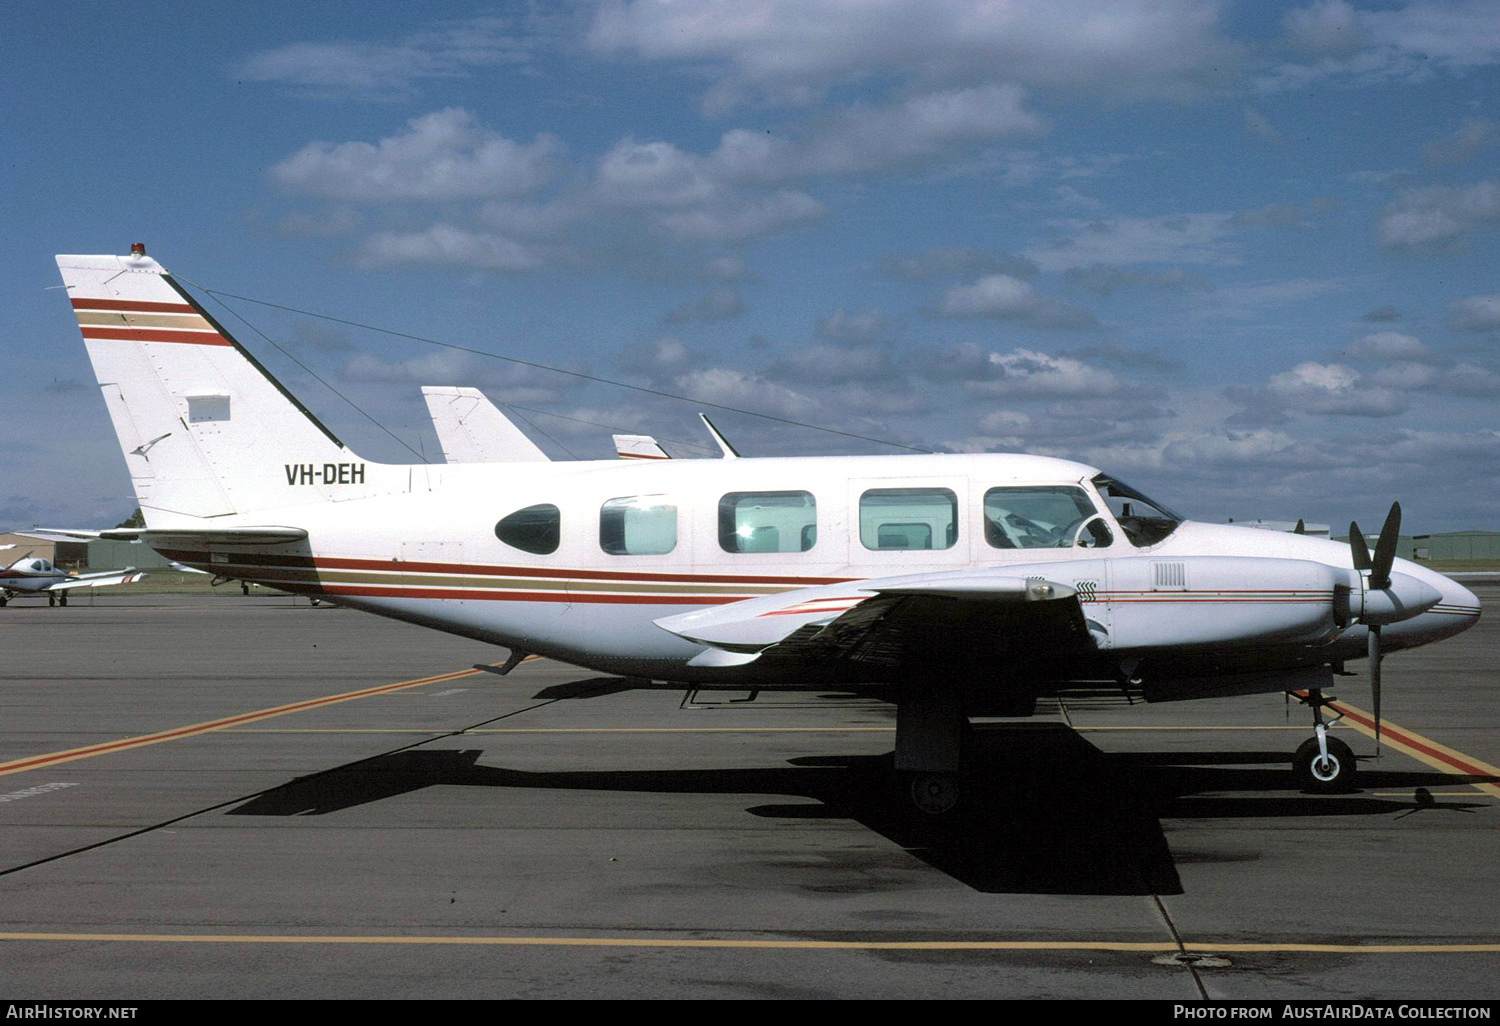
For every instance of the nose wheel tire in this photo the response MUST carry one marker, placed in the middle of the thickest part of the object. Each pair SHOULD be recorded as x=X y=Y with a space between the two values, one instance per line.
x=1324 y=776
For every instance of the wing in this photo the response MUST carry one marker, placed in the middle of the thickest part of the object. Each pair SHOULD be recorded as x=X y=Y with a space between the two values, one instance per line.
x=883 y=625
x=175 y=537
x=100 y=580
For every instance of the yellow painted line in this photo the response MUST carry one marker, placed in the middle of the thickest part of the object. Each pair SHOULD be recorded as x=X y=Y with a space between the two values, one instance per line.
x=774 y=945
x=594 y=730
x=1094 y=730
x=125 y=744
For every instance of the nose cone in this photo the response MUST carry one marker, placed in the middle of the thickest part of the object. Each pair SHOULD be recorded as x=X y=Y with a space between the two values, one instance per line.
x=1456 y=610
x=1458 y=602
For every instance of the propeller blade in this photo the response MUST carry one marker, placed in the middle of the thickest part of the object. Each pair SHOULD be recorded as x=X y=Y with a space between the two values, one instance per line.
x=1373 y=650
x=1385 y=548
x=1357 y=546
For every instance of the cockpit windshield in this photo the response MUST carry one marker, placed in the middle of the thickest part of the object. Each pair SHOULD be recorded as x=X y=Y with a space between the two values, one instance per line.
x=1144 y=521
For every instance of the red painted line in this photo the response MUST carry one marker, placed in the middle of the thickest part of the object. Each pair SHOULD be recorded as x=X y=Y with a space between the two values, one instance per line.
x=195 y=338
x=131 y=305
x=39 y=761
x=1397 y=734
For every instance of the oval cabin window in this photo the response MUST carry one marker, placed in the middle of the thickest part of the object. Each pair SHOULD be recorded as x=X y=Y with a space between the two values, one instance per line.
x=536 y=529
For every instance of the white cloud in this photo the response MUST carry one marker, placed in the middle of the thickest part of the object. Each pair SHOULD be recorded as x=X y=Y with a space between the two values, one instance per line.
x=389 y=70
x=996 y=295
x=446 y=246
x=1438 y=217
x=855 y=328
x=444 y=155
x=1477 y=313
x=946 y=261
x=1327 y=26
x=1332 y=389
x=868 y=138
x=792 y=51
x=1025 y=373
x=1387 y=345
x=1003 y=297
x=1474 y=135
x=1413 y=42
x=1176 y=238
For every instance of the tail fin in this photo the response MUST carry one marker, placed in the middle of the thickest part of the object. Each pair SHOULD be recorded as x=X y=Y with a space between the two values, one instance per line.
x=473 y=430
x=205 y=429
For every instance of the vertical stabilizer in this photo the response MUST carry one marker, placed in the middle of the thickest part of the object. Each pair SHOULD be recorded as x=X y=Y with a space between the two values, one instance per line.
x=471 y=429
x=205 y=429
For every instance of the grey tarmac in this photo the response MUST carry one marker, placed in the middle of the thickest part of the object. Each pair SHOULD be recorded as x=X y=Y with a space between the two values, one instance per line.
x=558 y=834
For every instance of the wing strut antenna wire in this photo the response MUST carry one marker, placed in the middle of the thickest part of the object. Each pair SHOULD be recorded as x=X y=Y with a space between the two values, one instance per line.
x=220 y=296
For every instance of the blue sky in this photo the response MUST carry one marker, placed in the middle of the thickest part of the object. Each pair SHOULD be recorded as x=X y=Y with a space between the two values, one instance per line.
x=1243 y=255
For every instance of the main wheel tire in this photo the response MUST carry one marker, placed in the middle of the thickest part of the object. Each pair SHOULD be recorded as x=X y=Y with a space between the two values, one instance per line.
x=935 y=793
x=1314 y=774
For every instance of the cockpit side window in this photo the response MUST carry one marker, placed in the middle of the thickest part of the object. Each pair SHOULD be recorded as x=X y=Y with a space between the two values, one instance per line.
x=1043 y=517
x=1144 y=521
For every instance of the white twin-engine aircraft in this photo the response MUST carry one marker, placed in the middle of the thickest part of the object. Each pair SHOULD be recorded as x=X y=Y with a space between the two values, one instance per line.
x=950 y=584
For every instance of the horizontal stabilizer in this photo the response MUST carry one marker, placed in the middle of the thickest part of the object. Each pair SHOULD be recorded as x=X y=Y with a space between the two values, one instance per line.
x=639 y=447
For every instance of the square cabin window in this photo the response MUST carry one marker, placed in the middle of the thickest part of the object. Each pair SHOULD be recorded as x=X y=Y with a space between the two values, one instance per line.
x=908 y=518
x=638 y=525
x=768 y=522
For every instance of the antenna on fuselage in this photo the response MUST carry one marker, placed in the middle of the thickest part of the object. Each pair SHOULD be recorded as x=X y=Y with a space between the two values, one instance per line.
x=729 y=451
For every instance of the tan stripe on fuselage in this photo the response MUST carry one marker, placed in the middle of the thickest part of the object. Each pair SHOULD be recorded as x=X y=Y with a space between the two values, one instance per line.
x=111 y=319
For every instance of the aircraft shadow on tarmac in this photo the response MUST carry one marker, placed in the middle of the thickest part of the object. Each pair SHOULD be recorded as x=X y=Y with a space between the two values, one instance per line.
x=1045 y=813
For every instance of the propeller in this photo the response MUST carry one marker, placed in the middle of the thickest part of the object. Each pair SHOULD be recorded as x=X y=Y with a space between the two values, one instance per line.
x=1379 y=567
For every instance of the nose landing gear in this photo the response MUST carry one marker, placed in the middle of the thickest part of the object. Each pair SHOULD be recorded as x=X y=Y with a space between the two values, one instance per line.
x=1323 y=764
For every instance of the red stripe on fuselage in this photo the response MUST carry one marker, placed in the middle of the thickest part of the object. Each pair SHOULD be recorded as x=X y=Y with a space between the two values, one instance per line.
x=492 y=595
x=192 y=338
x=131 y=305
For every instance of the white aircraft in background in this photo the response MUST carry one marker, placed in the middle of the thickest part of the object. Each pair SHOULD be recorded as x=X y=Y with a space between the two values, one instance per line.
x=949 y=584
x=31 y=577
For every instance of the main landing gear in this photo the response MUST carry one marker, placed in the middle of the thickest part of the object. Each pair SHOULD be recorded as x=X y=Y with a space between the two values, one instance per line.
x=1322 y=764
x=930 y=726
